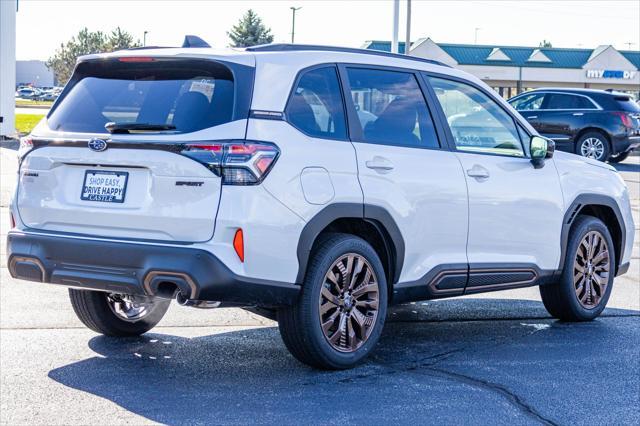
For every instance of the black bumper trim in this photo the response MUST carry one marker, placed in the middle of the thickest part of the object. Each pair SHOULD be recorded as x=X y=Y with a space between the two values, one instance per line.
x=132 y=268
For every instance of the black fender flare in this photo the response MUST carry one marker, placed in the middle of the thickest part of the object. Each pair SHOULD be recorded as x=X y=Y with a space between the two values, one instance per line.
x=578 y=204
x=376 y=215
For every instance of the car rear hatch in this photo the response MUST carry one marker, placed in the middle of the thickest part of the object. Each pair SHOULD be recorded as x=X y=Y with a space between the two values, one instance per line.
x=135 y=182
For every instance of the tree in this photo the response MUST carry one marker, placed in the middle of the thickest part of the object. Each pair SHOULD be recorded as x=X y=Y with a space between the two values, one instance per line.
x=249 y=31
x=545 y=43
x=85 y=43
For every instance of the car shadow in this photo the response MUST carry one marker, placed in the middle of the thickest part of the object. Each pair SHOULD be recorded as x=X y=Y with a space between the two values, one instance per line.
x=632 y=165
x=428 y=350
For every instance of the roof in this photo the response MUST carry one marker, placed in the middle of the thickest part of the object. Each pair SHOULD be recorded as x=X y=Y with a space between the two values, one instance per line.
x=474 y=54
x=385 y=46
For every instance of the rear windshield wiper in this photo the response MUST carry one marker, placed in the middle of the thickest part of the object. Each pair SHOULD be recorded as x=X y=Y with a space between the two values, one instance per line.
x=137 y=127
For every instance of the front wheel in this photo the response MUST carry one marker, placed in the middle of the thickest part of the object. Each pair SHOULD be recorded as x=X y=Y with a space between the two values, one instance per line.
x=593 y=145
x=587 y=277
x=340 y=314
x=117 y=314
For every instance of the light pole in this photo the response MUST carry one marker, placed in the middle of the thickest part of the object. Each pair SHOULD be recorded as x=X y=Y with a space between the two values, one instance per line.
x=407 y=41
x=476 y=35
x=293 y=22
x=144 y=38
x=396 y=17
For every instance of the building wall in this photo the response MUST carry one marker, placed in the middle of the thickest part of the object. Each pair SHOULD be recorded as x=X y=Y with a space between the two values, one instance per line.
x=507 y=79
x=7 y=66
x=34 y=73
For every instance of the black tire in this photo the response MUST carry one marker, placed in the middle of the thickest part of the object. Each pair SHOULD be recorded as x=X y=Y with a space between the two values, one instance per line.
x=300 y=324
x=619 y=158
x=590 y=137
x=561 y=299
x=92 y=308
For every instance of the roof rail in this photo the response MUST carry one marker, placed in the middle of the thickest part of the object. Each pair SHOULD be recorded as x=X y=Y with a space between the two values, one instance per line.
x=288 y=47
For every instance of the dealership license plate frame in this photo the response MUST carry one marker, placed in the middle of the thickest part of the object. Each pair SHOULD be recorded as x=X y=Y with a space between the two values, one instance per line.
x=84 y=197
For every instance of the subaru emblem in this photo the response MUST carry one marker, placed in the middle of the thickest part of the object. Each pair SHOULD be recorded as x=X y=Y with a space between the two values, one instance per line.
x=98 y=144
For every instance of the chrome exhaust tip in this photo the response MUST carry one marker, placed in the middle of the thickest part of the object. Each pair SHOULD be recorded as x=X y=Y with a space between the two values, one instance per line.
x=200 y=304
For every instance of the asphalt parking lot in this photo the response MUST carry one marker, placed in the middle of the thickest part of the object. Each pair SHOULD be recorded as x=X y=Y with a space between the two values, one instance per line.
x=496 y=358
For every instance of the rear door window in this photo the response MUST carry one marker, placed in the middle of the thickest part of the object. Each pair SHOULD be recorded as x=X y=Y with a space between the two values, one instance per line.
x=316 y=107
x=185 y=95
x=391 y=108
x=560 y=101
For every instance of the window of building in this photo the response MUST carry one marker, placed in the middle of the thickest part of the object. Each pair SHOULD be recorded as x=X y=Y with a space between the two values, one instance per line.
x=316 y=107
x=391 y=108
x=477 y=122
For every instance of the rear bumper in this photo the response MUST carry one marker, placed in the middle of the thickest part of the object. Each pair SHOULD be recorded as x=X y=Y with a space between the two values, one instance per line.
x=626 y=144
x=134 y=268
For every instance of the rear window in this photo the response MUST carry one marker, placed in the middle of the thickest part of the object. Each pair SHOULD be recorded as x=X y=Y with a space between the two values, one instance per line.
x=626 y=103
x=189 y=95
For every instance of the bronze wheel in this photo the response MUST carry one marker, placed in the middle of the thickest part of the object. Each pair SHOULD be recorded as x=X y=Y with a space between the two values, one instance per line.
x=591 y=269
x=339 y=315
x=349 y=302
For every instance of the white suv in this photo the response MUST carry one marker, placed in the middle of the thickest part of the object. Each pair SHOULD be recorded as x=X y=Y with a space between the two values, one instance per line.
x=314 y=185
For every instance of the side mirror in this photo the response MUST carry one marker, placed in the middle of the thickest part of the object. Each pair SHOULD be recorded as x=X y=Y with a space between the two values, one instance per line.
x=540 y=149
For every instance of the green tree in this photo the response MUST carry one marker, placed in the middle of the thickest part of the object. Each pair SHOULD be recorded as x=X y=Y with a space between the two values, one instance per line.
x=85 y=43
x=249 y=31
x=545 y=43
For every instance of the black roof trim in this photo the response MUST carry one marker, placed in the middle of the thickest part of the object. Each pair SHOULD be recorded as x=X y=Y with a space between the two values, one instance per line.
x=288 y=47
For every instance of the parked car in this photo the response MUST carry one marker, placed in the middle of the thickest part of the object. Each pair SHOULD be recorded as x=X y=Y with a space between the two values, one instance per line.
x=27 y=93
x=317 y=195
x=599 y=124
x=49 y=95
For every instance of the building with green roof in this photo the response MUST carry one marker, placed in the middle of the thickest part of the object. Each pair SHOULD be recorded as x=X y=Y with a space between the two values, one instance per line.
x=513 y=69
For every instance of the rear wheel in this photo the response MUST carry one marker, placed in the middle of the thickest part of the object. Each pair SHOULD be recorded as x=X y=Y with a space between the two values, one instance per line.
x=587 y=277
x=340 y=314
x=593 y=145
x=114 y=314
x=619 y=158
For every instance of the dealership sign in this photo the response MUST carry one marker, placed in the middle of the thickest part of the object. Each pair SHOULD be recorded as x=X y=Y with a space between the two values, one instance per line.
x=626 y=75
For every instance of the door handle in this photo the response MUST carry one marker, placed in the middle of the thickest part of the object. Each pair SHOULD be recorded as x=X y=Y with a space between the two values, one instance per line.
x=532 y=116
x=578 y=113
x=379 y=164
x=478 y=172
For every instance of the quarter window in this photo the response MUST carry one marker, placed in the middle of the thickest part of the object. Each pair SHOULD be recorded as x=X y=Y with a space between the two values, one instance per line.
x=391 y=108
x=316 y=105
x=477 y=122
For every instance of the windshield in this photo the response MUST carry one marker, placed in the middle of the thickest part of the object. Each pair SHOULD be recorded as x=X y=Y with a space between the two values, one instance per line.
x=187 y=95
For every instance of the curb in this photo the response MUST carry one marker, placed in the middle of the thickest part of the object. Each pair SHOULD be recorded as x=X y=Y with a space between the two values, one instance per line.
x=34 y=106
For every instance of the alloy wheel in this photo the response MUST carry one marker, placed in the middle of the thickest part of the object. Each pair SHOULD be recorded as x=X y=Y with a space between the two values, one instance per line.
x=129 y=308
x=592 y=148
x=591 y=269
x=349 y=302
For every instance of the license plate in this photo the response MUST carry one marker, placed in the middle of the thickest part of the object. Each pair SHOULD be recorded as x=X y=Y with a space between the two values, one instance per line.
x=104 y=186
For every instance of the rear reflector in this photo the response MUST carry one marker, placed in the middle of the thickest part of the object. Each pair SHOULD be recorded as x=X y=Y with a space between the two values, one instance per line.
x=238 y=244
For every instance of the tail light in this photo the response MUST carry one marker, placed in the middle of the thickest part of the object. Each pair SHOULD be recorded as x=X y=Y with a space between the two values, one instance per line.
x=237 y=162
x=625 y=118
x=12 y=220
x=26 y=145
